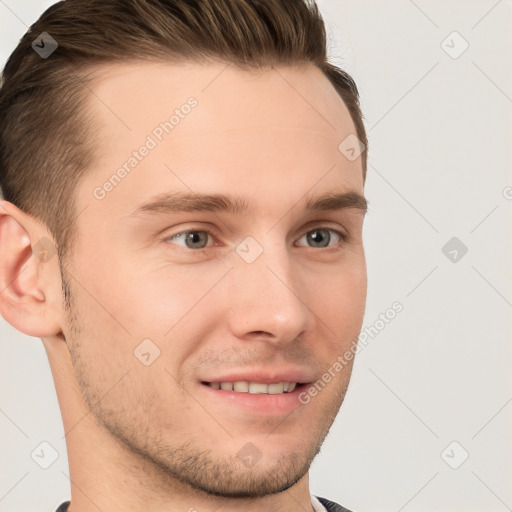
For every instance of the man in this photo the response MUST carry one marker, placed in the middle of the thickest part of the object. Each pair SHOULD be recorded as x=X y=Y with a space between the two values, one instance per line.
x=185 y=236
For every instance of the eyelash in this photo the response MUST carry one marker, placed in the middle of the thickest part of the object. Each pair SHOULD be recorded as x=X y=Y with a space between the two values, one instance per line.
x=343 y=238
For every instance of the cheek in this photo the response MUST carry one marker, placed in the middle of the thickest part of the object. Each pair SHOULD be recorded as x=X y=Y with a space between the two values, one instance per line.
x=149 y=301
x=169 y=300
x=340 y=299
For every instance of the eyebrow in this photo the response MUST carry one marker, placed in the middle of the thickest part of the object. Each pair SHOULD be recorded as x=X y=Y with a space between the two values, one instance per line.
x=176 y=202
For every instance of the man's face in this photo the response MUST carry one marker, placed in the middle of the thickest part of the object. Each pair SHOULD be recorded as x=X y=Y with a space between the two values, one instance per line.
x=168 y=303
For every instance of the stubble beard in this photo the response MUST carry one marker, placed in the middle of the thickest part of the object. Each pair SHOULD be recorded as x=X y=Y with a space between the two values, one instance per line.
x=201 y=468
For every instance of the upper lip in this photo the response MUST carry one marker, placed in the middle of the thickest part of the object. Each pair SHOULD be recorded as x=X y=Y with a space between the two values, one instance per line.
x=264 y=376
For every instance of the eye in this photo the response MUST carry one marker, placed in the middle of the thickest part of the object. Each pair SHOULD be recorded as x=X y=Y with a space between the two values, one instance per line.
x=316 y=238
x=322 y=237
x=191 y=239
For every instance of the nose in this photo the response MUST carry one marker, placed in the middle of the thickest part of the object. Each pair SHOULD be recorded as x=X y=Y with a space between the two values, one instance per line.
x=268 y=298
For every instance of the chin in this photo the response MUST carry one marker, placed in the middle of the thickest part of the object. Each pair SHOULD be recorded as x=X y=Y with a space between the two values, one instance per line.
x=252 y=479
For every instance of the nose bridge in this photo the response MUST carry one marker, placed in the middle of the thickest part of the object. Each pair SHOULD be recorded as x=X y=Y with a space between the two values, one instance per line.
x=267 y=292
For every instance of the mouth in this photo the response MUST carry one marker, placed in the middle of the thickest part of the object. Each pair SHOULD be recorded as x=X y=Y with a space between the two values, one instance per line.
x=267 y=399
x=257 y=391
x=254 y=388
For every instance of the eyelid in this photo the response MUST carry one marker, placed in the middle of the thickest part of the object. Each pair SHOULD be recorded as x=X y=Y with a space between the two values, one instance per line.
x=311 y=226
x=343 y=237
x=325 y=224
x=208 y=231
x=213 y=235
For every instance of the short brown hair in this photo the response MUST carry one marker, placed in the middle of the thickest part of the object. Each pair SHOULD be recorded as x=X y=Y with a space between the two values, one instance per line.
x=46 y=140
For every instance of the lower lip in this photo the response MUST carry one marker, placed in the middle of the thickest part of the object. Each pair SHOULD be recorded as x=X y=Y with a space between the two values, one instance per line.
x=263 y=403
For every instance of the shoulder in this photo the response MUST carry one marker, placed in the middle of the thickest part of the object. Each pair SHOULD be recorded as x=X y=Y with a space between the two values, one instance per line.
x=331 y=506
x=63 y=507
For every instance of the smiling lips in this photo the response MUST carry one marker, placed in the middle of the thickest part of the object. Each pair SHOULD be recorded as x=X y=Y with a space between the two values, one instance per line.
x=257 y=392
x=255 y=388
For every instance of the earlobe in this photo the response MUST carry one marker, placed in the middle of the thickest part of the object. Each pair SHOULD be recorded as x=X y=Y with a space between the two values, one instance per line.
x=27 y=296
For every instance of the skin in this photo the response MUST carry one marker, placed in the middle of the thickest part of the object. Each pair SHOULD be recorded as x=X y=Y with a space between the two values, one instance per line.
x=152 y=437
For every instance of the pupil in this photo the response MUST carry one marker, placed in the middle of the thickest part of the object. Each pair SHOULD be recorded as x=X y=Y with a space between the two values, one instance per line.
x=319 y=235
x=195 y=238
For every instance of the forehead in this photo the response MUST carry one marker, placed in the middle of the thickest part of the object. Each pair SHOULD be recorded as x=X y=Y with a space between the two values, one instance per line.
x=213 y=128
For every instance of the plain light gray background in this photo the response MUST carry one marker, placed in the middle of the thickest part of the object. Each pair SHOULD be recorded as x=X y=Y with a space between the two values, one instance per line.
x=434 y=385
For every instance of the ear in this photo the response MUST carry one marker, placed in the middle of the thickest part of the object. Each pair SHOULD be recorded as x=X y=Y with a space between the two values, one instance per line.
x=30 y=281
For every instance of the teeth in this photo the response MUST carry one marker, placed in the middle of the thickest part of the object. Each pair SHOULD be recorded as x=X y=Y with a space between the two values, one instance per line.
x=241 y=386
x=275 y=389
x=255 y=388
